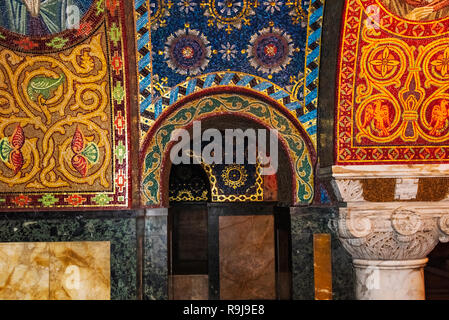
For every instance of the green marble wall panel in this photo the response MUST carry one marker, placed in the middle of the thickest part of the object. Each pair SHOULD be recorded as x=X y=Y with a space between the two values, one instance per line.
x=117 y=227
x=342 y=272
x=304 y=223
x=155 y=271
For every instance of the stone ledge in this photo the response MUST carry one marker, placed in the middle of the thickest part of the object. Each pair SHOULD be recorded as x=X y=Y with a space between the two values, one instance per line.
x=385 y=171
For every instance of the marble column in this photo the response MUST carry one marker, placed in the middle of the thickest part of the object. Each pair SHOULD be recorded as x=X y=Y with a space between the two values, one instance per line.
x=389 y=218
x=390 y=279
x=389 y=243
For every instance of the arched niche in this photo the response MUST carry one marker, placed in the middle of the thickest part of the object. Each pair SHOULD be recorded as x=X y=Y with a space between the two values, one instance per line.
x=257 y=187
x=214 y=104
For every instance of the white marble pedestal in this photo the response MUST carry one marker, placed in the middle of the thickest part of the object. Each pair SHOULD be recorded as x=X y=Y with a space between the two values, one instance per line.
x=390 y=280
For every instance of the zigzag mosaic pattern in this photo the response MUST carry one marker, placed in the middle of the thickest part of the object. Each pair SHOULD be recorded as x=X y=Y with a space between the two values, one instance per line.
x=143 y=44
x=238 y=79
x=313 y=56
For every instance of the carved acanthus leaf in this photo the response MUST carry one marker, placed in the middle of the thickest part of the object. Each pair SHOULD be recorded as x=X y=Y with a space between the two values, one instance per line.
x=390 y=234
x=348 y=190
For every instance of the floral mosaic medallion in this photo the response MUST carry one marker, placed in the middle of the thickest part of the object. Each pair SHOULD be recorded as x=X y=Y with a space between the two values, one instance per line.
x=270 y=50
x=234 y=176
x=187 y=51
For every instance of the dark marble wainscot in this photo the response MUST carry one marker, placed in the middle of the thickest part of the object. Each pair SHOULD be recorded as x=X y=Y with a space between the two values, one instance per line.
x=117 y=227
x=155 y=272
x=304 y=223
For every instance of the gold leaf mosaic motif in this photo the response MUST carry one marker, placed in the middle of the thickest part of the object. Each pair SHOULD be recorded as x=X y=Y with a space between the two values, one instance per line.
x=63 y=122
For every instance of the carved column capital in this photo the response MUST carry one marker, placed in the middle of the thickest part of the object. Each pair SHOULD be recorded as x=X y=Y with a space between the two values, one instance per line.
x=443 y=225
x=391 y=231
x=386 y=229
x=348 y=190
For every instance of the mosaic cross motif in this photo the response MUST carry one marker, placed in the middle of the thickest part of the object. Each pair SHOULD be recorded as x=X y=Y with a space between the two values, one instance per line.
x=394 y=85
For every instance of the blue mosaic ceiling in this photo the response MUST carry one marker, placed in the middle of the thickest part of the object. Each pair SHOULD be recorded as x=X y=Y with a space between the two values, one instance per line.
x=268 y=45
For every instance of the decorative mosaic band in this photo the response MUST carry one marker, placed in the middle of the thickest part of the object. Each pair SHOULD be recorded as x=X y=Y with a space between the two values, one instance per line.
x=143 y=45
x=237 y=79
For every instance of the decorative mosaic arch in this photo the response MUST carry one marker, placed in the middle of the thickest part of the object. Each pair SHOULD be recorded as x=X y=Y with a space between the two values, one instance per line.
x=229 y=79
x=216 y=102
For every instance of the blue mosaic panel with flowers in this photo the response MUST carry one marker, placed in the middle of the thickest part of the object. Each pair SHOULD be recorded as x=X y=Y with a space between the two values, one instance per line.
x=266 y=41
x=262 y=42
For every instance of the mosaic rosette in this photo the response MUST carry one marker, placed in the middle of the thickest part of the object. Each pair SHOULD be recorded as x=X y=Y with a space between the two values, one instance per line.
x=187 y=52
x=188 y=183
x=394 y=88
x=298 y=15
x=64 y=120
x=270 y=50
x=234 y=176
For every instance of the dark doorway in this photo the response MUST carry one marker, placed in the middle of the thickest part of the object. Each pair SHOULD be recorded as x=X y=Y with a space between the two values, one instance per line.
x=436 y=273
x=189 y=278
x=232 y=251
x=188 y=233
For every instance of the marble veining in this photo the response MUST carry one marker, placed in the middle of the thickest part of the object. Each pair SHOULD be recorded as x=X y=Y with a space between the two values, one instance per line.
x=55 y=271
x=80 y=271
x=118 y=228
x=247 y=269
x=155 y=258
x=24 y=271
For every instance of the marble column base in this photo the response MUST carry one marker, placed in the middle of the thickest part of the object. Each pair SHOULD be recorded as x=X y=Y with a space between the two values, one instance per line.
x=389 y=280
